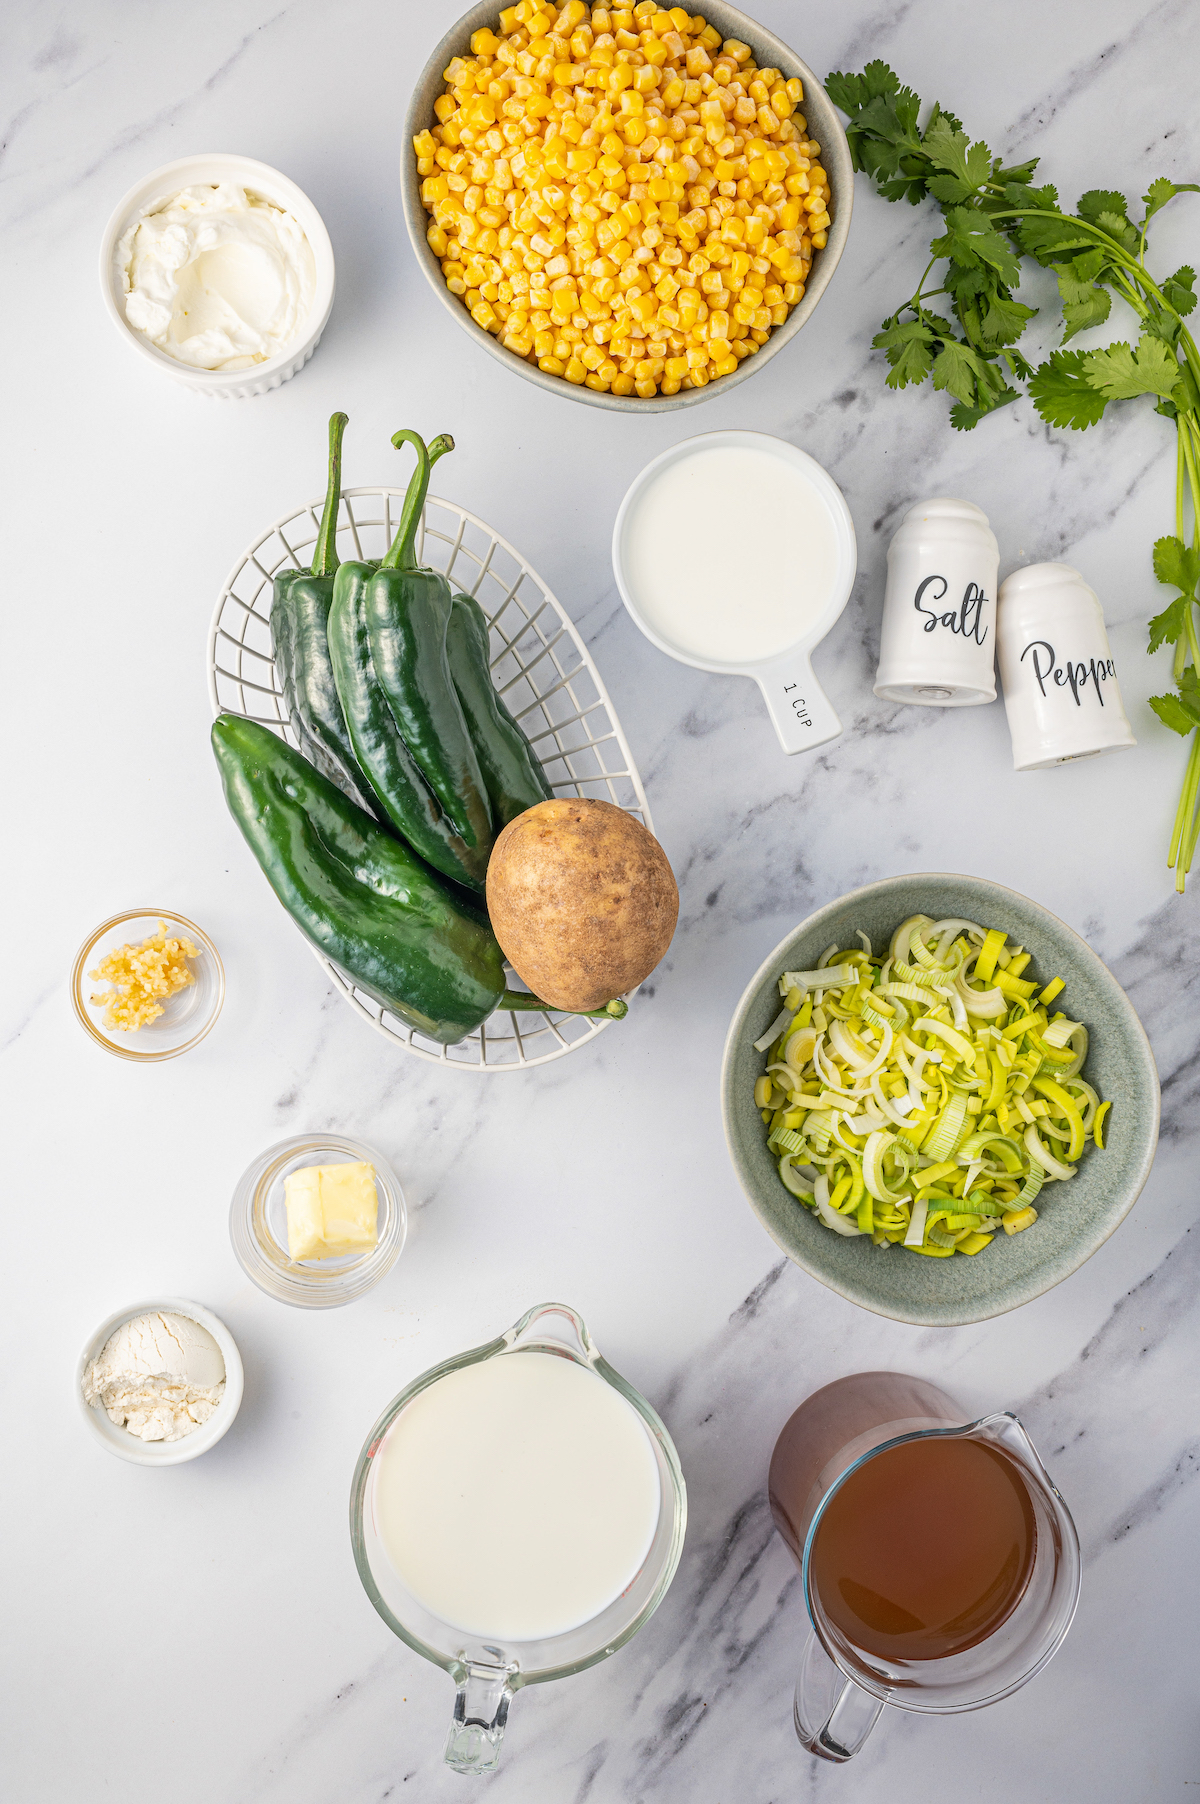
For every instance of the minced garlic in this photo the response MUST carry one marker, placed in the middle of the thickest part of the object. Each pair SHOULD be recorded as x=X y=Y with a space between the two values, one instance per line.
x=140 y=975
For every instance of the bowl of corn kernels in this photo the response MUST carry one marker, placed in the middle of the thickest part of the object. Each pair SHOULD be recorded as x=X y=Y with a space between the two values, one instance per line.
x=631 y=205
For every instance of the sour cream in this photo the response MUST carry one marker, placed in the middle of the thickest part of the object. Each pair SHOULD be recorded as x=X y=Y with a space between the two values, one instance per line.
x=217 y=277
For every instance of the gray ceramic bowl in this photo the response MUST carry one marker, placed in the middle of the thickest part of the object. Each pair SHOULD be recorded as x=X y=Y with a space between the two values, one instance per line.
x=769 y=53
x=1076 y=1217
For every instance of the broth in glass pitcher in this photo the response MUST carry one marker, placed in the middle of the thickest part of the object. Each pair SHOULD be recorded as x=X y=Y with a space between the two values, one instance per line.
x=926 y=1549
x=940 y=1565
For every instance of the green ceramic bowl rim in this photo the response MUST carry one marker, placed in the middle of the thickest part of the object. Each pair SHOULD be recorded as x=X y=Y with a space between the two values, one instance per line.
x=1017 y=1291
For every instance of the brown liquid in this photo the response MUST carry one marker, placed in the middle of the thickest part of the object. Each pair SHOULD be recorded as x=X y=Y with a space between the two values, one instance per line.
x=926 y=1549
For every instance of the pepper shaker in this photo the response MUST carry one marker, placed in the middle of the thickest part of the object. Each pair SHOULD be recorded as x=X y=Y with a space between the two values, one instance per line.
x=938 y=644
x=1060 y=681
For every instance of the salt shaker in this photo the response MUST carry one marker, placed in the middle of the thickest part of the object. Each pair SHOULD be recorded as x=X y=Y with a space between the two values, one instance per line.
x=1060 y=682
x=939 y=611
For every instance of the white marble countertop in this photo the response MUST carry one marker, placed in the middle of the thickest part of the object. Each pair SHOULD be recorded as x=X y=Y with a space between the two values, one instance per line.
x=200 y=1633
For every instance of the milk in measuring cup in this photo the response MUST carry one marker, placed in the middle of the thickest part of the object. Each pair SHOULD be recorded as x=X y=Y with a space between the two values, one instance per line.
x=730 y=554
x=516 y=1498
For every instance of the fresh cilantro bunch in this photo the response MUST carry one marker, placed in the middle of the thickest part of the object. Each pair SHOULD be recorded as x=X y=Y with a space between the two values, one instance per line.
x=993 y=216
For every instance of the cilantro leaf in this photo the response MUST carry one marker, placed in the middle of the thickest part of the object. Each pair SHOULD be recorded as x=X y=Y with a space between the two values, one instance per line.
x=1004 y=319
x=1166 y=627
x=963 y=283
x=852 y=92
x=1020 y=366
x=948 y=189
x=1161 y=191
x=949 y=150
x=971 y=240
x=961 y=370
x=909 y=348
x=1017 y=172
x=1120 y=373
x=1102 y=200
x=1088 y=264
x=1177 y=564
x=1084 y=303
x=1117 y=226
x=1179 y=290
x=1043 y=238
x=939 y=112
x=1019 y=194
x=1173 y=711
x=1062 y=394
x=1160 y=326
x=964 y=418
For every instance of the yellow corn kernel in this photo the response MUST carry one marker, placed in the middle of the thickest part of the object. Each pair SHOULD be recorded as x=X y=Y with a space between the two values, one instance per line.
x=575 y=372
x=622 y=385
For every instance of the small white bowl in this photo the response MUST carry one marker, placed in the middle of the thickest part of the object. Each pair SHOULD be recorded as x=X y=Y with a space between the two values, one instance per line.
x=163 y=1453
x=259 y=178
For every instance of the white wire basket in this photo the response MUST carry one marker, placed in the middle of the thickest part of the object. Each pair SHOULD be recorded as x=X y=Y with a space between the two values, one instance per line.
x=540 y=666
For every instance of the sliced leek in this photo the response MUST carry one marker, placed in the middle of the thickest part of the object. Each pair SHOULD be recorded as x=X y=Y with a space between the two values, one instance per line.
x=925 y=1095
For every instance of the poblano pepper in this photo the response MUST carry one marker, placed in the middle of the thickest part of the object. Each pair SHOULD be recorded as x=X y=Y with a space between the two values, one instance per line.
x=357 y=893
x=407 y=610
x=300 y=604
x=405 y=798
x=360 y=896
x=511 y=770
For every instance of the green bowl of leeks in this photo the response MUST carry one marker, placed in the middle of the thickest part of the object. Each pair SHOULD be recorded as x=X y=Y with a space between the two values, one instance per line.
x=1077 y=1217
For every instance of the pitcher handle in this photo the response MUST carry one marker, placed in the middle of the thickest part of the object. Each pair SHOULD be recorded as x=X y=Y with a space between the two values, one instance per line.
x=833 y=1715
x=480 y=1714
x=802 y=714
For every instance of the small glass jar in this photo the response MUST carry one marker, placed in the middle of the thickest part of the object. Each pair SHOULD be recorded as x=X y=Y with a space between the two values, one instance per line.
x=258 y=1225
x=187 y=1015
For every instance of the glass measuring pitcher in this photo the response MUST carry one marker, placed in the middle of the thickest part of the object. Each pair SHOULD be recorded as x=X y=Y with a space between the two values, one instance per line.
x=487 y=1671
x=843 y=1687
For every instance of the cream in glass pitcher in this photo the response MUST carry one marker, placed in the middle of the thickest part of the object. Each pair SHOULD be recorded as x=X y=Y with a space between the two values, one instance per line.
x=517 y=1514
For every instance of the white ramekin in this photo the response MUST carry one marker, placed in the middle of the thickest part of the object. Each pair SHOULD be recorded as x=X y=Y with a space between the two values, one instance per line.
x=162 y=1453
x=259 y=178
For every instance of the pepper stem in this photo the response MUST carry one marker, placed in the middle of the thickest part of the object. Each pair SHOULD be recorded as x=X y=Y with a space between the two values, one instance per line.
x=325 y=558
x=522 y=1001
x=401 y=556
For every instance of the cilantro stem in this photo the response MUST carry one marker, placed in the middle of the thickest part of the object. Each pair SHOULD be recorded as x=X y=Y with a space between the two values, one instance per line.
x=1187 y=819
x=1186 y=430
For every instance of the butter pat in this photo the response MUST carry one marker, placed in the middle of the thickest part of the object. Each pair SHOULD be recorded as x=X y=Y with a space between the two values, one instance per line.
x=331 y=1210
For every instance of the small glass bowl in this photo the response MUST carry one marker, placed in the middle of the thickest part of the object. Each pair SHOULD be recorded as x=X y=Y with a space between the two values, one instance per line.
x=187 y=1016
x=258 y=1225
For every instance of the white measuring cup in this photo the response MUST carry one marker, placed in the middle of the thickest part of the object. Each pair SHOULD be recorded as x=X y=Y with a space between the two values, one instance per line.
x=802 y=714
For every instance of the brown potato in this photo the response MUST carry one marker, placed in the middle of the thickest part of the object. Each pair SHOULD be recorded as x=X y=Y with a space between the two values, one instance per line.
x=582 y=901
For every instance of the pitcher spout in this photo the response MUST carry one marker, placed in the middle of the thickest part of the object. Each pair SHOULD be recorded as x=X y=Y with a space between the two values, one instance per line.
x=555 y=1328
